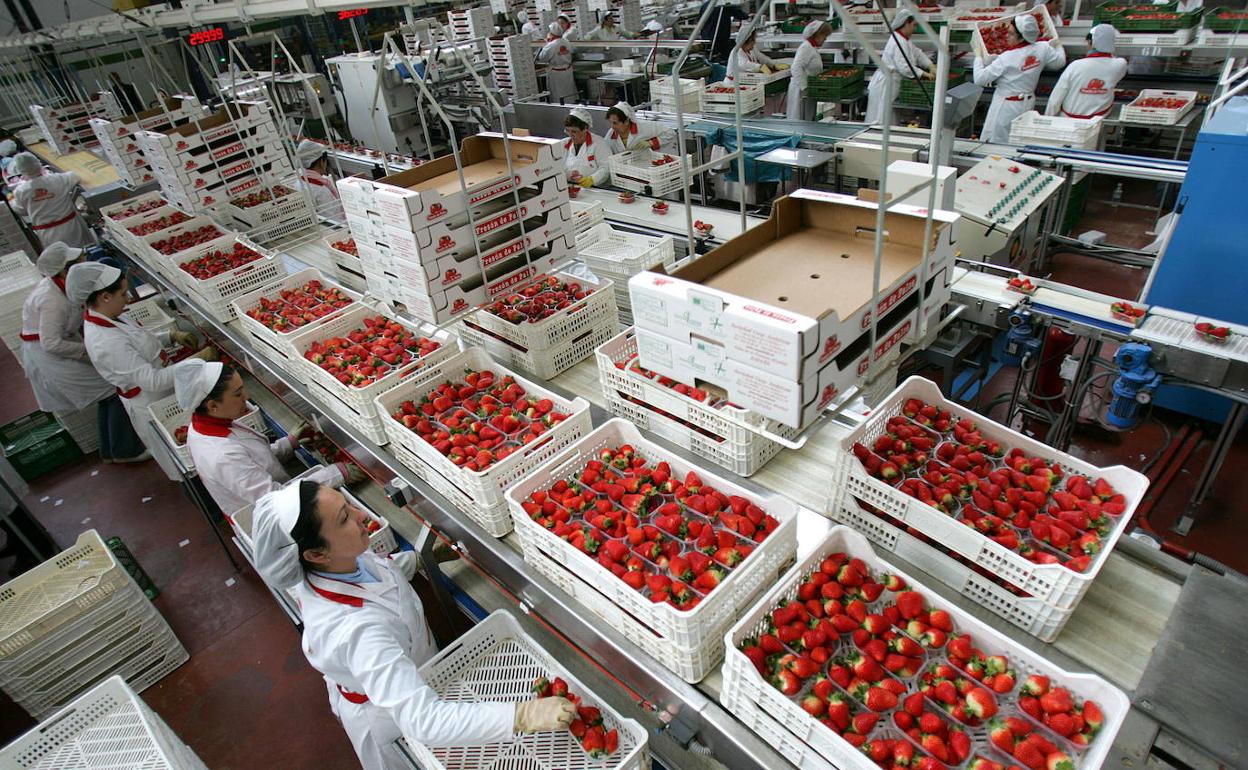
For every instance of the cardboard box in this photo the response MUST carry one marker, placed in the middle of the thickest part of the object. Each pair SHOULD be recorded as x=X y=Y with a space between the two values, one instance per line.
x=356 y=193
x=429 y=276
x=784 y=297
x=429 y=193
x=432 y=246
x=179 y=110
x=250 y=120
x=225 y=160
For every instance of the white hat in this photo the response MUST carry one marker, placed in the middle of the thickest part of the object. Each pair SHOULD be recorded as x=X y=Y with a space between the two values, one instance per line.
x=1027 y=27
x=564 y=17
x=277 y=556
x=582 y=114
x=87 y=277
x=523 y=16
x=744 y=34
x=813 y=28
x=555 y=28
x=903 y=15
x=1104 y=37
x=653 y=26
x=7 y=148
x=309 y=152
x=27 y=164
x=627 y=109
x=55 y=257
x=193 y=380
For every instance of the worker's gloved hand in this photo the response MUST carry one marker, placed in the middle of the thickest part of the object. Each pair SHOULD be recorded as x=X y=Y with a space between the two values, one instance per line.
x=543 y=715
x=781 y=67
x=585 y=181
x=930 y=74
x=443 y=552
x=351 y=473
x=185 y=339
x=303 y=433
x=765 y=69
x=207 y=354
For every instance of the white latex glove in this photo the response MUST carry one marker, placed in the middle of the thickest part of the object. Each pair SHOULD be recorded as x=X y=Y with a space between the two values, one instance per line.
x=930 y=74
x=186 y=339
x=543 y=715
x=206 y=354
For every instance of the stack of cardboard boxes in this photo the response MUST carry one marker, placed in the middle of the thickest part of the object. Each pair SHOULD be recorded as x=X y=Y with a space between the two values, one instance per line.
x=67 y=128
x=426 y=241
x=121 y=146
x=780 y=317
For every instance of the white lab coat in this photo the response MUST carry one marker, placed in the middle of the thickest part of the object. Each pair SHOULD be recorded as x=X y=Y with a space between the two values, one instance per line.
x=645 y=134
x=588 y=160
x=1086 y=87
x=557 y=56
x=369 y=640
x=897 y=50
x=239 y=466
x=47 y=204
x=748 y=61
x=601 y=33
x=806 y=64
x=128 y=358
x=54 y=355
x=324 y=195
x=1016 y=73
x=532 y=29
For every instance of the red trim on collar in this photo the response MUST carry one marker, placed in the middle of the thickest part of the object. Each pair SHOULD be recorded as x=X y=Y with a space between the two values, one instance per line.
x=208 y=425
x=352 y=601
x=89 y=317
x=59 y=280
x=1099 y=55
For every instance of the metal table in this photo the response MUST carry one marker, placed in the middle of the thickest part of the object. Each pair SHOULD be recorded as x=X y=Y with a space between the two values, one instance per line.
x=804 y=161
x=624 y=80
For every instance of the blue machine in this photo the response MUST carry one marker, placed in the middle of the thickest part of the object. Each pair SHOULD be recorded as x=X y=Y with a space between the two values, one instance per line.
x=1136 y=383
x=1020 y=340
x=1203 y=269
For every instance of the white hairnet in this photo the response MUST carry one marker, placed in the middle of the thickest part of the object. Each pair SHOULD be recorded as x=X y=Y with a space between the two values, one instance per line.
x=1027 y=27
x=7 y=148
x=55 y=257
x=627 y=109
x=744 y=34
x=27 y=164
x=653 y=26
x=87 y=277
x=555 y=29
x=523 y=16
x=813 y=28
x=902 y=16
x=1104 y=38
x=193 y=380
x=608 y=18
x=277 y=556
x=309 y=152
x=582 y=114
x=564 y=17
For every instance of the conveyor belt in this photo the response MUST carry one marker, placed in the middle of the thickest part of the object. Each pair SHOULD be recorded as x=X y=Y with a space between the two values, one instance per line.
x=1177 y=330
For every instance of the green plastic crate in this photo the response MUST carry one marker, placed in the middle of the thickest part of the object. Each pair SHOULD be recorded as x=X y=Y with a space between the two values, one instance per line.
x=1105 y=12
x=960 y=35
x=1213 y=23
x=911 y=94
x=796 y=26
x=126 y=559
x=830 y=88
x=1129 y=21
x=37 y=444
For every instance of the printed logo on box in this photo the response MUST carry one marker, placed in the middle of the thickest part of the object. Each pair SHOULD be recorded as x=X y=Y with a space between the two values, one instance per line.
x=229 y=149
x=886 y=345
x=830 y=347
x=435 y=211
x=444 y=243
x=769 y=313
x=496 y=222
x=503 y=253
x=451 y=276
x=505 y=285
x=459 y=306
x=829 y=394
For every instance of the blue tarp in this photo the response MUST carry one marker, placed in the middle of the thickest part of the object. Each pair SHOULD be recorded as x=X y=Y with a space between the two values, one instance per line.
x=755 y=144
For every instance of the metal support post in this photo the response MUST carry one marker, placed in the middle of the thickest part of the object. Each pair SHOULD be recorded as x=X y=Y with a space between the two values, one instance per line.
x=1217 y=455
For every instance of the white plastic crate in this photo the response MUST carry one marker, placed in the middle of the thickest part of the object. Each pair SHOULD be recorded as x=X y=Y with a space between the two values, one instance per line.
x=494 y=519
x=585 y=215
x=1161 y=116
x=224 y=287
x=483 y=488
x=1033 y=128
x=149 y=314
x=18 y=276
x=109 y=726
x=1052 y=583
x=634 y=171
x=1047 y=30
x=745 y=689
x=274 y=219
x=81 y=427
x=689 y=642
x=663 y=94
x=614 y=254
x=549 y=333
x=170 y=416
x=270 y=340
x=761 y=78
x=144 y=242
x=550 y=363
x=752 y=98
x=497 y=661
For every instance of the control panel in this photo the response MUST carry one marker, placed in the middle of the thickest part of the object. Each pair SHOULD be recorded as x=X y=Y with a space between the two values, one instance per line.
x=1004 y=192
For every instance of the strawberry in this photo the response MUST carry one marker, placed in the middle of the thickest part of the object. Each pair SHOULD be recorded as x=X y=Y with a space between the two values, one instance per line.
x=878 y=699
x=1057 y=701
x=786 y=682
x=1058 y=761
x=814 y=705
x=910 y=604
x=1092 y=716
x=1030 y=755
x=980 y=703
x=1036 y=685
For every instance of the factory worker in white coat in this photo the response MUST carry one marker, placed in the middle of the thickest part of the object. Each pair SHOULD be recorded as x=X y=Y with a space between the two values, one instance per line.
x=1016 y=73
x=606 y=31
x=364 y=629
x=237 y=464
x=314 y=158
x=46 y=202
x=585 y=155
x=528 y=26
x=7 y=149
x=1086 y=87
x=807 y=63
x=556 y=54
x=126 y=355
x=902 y=59
x=748 y=58
x=629 y=133
x=1055 y=11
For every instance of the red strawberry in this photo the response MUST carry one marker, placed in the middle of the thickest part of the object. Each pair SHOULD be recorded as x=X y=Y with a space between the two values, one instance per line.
x=1057 y=701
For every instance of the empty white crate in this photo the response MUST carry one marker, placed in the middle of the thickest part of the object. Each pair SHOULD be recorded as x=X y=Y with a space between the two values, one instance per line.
x=1033 y=128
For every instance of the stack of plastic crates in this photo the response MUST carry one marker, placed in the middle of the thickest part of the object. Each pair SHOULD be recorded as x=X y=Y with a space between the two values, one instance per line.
x=618 y=256
x=663 y=94
x=75 y=620
x=17 y=277
x=107 y=727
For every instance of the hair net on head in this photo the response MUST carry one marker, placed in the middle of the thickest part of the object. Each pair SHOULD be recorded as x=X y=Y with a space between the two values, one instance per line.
x=309 y=152
x=1027 y=27
x=813 y=28
x=193 y=380
x=744 y=34
x=55 y=257
x=277 y=556
x=903 y=15
x=7 y=148
x=523 y=16
x=627 y=109
x=87 y=277
x=653 y=26
x=564 y=17
x=27 y=164
x=582 y=114
x=555 y=29
x=1104 y=37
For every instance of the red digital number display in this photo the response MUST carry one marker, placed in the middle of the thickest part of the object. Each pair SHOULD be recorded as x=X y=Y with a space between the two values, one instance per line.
x=344 y=15
x=206 y=36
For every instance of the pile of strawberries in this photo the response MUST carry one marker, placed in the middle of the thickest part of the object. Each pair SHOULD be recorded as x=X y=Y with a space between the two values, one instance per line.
x=850 y=647
x=1026 y=504
x=999 y=37
x=588 y=727
x=300 y=306
x=347 y=247
x=839 y=73
x=184 y=241
x=264 y=196
x=697 y=394
x=479 y=420
x=1212 y=332
x=539 y=300
x=169 y=220
x=139 y=209
x=1021 y=284
x=1160 y=102
x=179 y=434
x=720 y=88
x=369 y=352
x=663 y=161
x=673 y=540
x=219 y=261
x=1125 y=311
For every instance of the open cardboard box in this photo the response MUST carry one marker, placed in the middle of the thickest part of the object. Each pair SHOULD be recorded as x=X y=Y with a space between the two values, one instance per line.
x=786 y=296
x=420 y=196
x=176 y=109
x=251 y=120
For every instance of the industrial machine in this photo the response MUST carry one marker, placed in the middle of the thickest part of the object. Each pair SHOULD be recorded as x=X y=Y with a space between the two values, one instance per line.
x=380 y=110
x=1006 y=207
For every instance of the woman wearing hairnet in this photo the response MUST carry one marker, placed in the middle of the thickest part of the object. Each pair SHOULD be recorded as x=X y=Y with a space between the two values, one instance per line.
x=56 y=363
x=1016 y=73
x=46 y=202
x=585 y=155
x=364 y=629
x=748 y=58
x=902 y=58
x=629 y=133
x=127 y=356
x=237 y=465
x=806 y=64
x=528 y=26
x=314 y=158
x=7 y=149
x=1086 y=87
x=556 y=54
